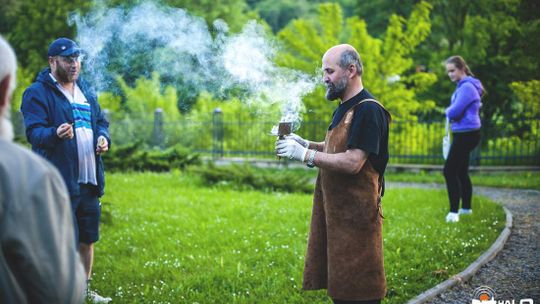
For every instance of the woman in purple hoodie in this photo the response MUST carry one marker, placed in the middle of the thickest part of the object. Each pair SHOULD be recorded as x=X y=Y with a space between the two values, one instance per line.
x=463 y=114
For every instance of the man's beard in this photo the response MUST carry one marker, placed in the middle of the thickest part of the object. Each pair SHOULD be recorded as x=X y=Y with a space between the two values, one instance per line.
x=63 y=74
x=6 y=127
x=336 y=90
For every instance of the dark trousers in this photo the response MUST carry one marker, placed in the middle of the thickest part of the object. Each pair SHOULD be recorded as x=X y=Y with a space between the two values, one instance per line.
x=356 y=302
x=456 y=169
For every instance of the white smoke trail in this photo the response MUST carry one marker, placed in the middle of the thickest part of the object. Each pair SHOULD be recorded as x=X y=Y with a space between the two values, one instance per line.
x=248 y=58
x=181 y=48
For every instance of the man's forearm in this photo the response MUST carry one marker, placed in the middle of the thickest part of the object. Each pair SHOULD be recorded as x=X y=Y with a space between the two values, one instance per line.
x=348 y=162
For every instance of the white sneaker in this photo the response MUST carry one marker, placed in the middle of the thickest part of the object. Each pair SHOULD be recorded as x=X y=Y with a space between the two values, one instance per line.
x=452 y=217
x=465 y=211
x=95 y=298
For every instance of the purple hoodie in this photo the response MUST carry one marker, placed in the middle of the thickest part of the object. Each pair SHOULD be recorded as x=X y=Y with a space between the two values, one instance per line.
x=465 y=104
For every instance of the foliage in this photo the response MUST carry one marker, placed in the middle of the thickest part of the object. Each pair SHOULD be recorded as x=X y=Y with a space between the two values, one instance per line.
x=213 y=245
x=147 y=96
x=494 y=37
x=231 y=135
x=30 y=26
x=234 y=12
x=112 y=103
x=376 y=13
x=279 y=13
x=24 y=80
x=386 y=61
x=247 y=177
x=528 y=94
x=521 y=131
x=134 y=158
x=232 y=123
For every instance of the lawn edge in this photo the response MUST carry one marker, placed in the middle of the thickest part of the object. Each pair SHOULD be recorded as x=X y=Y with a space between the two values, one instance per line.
x=466 y=274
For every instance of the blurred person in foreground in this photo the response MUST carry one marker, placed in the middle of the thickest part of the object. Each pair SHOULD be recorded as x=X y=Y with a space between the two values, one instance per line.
x=345 y=252
x=464 y=116
x=65 y=125
x=38 y=260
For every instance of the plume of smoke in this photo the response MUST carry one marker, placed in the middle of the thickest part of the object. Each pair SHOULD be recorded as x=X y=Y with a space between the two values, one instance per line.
x=248 y=58
x=181 y=48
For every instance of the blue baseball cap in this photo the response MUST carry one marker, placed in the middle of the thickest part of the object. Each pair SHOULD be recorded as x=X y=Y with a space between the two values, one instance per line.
x=63 y=47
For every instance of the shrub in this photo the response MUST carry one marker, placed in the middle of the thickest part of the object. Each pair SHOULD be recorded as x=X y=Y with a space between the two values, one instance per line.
x=247 y=177
x=132 y=157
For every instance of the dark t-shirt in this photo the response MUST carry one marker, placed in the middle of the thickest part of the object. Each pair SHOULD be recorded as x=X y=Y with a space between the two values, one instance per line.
x=369 y=129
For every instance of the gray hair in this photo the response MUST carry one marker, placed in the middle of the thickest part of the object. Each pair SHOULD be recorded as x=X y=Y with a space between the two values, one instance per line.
x=349 y=57
x=8 y=63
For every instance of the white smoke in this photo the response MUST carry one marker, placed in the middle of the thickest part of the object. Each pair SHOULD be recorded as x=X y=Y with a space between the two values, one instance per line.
x=182 y=49
x=248 y=58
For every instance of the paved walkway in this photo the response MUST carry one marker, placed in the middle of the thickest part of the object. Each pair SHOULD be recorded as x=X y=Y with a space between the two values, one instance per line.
x=514 y=273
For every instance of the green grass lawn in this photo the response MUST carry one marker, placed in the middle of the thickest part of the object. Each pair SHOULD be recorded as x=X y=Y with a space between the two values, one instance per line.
x=165 y=238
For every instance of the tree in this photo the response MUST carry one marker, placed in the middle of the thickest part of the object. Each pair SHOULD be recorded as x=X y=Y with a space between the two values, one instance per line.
x=376 y=13
x=278 y=13
x=146 y=96
x=30 y=26
x=494 y=37
x=234 y=12
x=387 y=62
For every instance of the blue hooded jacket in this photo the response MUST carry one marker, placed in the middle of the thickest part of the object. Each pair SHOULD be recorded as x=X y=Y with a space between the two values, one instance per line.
x=45 y=108
x=464 y=109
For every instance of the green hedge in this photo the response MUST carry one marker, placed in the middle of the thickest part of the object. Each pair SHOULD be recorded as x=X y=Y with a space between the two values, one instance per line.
x=137 y=157
x=245 y=176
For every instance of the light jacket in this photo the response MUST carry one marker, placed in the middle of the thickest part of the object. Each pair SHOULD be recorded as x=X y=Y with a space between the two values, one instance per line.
x=45 y=108
x=464 y=109
x=39 y=262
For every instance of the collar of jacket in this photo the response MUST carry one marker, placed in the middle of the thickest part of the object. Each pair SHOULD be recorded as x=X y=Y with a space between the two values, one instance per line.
x=43 y=77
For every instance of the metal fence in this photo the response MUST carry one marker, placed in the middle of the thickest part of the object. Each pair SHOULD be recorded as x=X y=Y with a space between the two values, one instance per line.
x=503 y=143
x=515 y=142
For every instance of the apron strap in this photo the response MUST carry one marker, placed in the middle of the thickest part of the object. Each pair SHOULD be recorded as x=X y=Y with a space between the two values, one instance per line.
x=380 y=194
x=377 y=102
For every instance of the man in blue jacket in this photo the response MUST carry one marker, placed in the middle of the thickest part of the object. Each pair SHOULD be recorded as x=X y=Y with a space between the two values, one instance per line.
x=65 y=125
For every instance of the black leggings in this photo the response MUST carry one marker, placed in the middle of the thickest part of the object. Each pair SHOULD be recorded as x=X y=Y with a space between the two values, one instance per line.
x=456 y=169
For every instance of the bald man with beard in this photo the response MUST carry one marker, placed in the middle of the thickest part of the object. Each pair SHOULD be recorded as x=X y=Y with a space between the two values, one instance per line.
x=345 y=252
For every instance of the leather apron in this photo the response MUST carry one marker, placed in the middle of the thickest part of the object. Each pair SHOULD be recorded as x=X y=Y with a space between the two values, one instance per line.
x=345 y=252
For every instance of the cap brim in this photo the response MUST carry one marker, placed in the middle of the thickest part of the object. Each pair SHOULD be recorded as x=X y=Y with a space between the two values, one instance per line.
x=70 y=51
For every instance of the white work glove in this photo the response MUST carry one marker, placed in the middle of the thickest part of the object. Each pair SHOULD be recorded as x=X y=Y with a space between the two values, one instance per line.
x=291 y=149
x=304 y=143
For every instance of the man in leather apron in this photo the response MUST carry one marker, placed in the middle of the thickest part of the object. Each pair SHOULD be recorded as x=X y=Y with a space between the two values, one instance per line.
x=345 y=252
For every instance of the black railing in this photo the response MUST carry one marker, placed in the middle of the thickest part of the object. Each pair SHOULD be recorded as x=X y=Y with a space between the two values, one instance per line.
x=505 y=143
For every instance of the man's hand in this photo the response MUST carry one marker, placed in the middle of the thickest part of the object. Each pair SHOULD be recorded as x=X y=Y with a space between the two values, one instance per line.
x=65 y=131
x=102 y=145
x=304 y=143
x=291 y=149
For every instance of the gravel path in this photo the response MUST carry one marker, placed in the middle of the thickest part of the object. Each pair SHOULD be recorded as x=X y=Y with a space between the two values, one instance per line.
x=514 y=273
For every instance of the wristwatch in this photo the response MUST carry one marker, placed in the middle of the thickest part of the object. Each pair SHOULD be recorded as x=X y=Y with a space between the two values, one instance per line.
x=310 y=162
